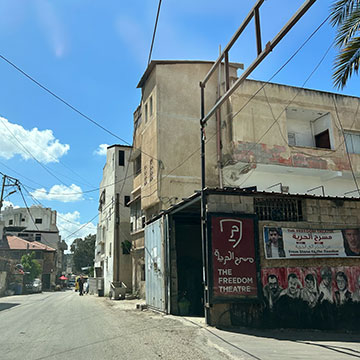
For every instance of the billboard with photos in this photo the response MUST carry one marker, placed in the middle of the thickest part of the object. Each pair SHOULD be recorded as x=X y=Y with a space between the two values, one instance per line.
x=292 y=243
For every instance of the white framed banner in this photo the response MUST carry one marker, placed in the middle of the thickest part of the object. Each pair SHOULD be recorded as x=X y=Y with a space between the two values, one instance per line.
x=292 y=243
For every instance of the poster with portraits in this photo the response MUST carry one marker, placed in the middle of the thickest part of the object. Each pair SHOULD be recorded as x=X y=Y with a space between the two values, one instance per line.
x=292 y=243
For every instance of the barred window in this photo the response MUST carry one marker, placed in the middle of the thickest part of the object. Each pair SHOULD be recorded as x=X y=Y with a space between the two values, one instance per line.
x=278 y=209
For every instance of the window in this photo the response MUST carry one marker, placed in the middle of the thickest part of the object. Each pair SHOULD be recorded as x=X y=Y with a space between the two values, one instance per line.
x=11 y=222
x=151 y=105
x=38 y=221
x=278 y=209
x=352 y=141
x=102 y=200
x=38 y=237
x=22 y=219
x=136 y=216
x=126 y=247
x=309 y=128
x=121 y=158
x=137 y=165
x=126 y=200
x=146 y=113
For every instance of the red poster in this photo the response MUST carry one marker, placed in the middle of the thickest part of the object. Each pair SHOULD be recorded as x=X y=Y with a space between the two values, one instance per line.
x=233 y=257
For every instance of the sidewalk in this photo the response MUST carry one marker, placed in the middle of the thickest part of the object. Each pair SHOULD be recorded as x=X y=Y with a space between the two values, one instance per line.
x=280 y=344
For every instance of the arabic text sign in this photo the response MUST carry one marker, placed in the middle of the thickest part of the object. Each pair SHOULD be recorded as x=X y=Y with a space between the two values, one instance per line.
x=233 y=257
x=303 y=243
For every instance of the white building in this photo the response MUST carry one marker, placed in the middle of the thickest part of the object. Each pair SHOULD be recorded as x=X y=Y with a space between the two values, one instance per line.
x=36 y=224
x=113 y=246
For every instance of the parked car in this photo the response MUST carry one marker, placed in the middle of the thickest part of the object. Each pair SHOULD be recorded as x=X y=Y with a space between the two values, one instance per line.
x=34 y=286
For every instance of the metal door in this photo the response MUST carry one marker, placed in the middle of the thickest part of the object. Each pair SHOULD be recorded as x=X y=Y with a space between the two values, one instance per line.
x=155 y=265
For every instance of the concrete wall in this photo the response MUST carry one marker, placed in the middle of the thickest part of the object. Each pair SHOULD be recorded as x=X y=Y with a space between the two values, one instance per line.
x=258 y=141
x=318 y=214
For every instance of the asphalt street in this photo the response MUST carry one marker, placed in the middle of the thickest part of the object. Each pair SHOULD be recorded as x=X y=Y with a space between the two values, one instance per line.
x=63 y=325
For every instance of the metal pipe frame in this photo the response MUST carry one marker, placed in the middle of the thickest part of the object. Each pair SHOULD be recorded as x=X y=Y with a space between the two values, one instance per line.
x=268 y=48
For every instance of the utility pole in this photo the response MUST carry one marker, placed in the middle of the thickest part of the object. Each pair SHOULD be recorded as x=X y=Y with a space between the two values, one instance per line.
x=12 y=182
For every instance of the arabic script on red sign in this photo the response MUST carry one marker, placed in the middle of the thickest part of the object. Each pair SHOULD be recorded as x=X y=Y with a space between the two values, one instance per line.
x=233 y=257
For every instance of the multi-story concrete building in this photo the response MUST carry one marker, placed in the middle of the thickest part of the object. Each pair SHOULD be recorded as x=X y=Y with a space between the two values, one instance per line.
x=36 y=224
x=271 y=136
x=113 y=246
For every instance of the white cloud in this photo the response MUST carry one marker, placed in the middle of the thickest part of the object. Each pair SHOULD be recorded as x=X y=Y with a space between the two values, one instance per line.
x=60 y=193
x=69 y=223
x=54 y=29
x=40 y=143
x=101 y=150
x=8 y=204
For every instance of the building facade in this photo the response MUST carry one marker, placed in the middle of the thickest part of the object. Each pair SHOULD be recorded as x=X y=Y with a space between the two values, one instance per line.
x=36 y=224
x=113 y=244
x=273 y=137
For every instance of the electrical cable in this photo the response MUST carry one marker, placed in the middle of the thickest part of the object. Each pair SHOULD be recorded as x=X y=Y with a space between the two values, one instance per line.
x=42 y=165
x=154 y=32
x=68 y=104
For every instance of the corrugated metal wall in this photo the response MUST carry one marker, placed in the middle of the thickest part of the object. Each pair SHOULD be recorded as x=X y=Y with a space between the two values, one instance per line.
x=155 y=265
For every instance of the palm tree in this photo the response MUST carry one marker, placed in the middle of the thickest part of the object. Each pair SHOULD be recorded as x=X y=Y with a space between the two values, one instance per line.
x=345 y=15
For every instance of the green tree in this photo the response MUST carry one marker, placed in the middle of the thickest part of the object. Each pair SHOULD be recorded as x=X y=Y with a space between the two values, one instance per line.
x=31 y=266
x=345 y=15
x=84 y=252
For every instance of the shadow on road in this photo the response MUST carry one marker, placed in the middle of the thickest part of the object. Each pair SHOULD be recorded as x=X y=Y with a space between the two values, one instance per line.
x=5 y=306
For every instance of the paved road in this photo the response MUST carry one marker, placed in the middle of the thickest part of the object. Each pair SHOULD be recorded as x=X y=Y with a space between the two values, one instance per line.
x=64 y=325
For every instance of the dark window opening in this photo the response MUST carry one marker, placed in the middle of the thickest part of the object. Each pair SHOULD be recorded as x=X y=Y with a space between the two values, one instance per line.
x=126 y=200
x=126 y=247
x=278 y=209
x=121 y=158
x=11 y=222
x=37 y=237
x=322 y=140
x=143 y=272
x=38 y=221
x=137 y=165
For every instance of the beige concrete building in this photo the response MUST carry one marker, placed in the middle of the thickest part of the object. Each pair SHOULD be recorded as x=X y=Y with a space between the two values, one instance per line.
x=166 y=144
x=275 y=137
x=113 y=246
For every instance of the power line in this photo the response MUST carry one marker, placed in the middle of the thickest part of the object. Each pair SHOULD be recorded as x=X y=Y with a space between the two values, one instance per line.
x=153 y=37
x=68 y=104
x=42 y=165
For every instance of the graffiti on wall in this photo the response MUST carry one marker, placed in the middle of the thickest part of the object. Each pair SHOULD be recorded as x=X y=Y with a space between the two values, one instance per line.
x=312 y=296
x=308 y=243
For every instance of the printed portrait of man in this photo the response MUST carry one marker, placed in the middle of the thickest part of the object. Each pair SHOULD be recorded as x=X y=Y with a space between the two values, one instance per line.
x=272 y=290
x=351 y=242
x=342 y=295
x=274 y=245
x=294 y=287
x=325 y=287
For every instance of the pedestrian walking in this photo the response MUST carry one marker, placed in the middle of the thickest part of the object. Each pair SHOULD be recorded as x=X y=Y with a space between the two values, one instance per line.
x=81 y=285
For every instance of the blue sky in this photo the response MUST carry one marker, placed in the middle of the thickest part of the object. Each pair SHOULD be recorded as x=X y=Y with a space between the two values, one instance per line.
x=92 y=54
